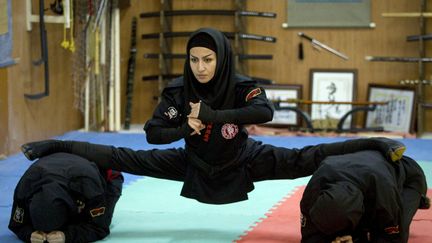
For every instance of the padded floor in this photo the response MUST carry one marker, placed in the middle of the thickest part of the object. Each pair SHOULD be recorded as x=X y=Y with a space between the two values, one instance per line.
x=282 y=223
x=151 y=210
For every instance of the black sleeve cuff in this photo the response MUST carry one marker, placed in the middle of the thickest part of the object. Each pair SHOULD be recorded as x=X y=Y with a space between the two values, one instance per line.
x=206 y=113
x=185 y=130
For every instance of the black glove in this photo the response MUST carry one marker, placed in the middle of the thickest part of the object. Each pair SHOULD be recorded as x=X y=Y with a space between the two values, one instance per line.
x=89 y=151
x=39 y=149
x=391 y=149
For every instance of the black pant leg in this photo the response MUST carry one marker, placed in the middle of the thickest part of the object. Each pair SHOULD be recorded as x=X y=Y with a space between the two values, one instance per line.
x=164 y=164
x=269 y=162
x=112 y=195
x=410 y=201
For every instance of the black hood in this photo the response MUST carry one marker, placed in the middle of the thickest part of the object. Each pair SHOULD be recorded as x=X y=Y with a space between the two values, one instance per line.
x=50 y=207
x=338 y=207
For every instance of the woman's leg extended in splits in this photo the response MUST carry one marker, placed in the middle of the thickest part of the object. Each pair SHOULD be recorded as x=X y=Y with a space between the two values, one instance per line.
x=270 y=162
x=165 y=164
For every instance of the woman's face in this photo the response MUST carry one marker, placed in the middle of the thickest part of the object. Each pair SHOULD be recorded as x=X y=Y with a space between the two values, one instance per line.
x=203 y=63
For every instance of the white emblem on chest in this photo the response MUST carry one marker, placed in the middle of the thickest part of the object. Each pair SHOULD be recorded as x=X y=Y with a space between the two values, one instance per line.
x=171 y=113
x=229 y=131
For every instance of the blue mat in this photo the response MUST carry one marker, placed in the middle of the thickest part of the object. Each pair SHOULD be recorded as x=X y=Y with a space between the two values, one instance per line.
x=151 y=210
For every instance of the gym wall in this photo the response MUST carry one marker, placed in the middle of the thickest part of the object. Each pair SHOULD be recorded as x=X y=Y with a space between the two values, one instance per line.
x=387 y=39
x=28 y=120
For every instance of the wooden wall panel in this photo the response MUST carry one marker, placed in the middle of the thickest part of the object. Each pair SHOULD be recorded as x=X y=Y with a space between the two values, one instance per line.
x=53 y=115
x=428 y=88
x=32 y=120
x=3 y=111
x=143 y=101
x=387 y=39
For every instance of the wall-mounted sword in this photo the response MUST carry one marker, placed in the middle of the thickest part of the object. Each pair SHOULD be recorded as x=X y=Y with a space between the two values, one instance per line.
x=44 y=54
x=319 y=44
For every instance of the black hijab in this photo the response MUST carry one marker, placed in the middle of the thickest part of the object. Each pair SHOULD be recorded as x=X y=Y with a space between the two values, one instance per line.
x=219 y=92
x=51 y=207
x=337 y=208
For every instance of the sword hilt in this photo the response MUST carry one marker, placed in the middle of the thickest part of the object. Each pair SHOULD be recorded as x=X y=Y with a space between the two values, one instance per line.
x=303 y=35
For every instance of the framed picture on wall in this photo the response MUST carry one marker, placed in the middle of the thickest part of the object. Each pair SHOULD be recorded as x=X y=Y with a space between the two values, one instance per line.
x=278 y=93
x=398 y=114
x=328 y=13
x=332 y=85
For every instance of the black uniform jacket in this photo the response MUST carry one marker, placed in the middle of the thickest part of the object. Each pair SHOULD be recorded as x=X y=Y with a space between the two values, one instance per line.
x=217 y=172
x=94 y=191
x=382 y=184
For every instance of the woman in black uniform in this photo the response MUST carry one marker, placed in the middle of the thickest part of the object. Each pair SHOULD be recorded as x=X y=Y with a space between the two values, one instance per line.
x=208 y=107
x=360 y=197
x=64 y=198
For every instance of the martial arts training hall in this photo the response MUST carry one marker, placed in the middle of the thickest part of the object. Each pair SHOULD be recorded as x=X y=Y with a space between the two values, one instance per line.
x=93 y=71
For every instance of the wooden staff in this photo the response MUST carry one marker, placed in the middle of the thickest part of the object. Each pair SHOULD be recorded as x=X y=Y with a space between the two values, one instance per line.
x=397 y=59
x=310 y=102
x=183 y=56
x=407 y=15
x=415 y=82
x=427 y=105
x=130 y=74
x=230 y=35
x=209 y=12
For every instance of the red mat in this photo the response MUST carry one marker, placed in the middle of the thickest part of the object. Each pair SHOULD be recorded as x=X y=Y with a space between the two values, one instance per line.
x=282 y=223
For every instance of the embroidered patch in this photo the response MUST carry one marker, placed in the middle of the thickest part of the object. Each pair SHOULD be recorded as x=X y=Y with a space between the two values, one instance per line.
x=207 y=132
x=19 y=215
x=97 y=211
x=392 y=230
x=81 y=205
x=171 y=113
x=253 y=93
x=229 y=131
x=302 y=220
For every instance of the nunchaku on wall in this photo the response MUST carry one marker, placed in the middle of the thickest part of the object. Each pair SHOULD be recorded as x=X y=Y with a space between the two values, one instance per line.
x=91 y=34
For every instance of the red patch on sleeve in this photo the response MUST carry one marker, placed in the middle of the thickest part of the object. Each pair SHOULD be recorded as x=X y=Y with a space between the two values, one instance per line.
x=392 y=230
x=253 y=93
x=97 y=212
x=111 y=175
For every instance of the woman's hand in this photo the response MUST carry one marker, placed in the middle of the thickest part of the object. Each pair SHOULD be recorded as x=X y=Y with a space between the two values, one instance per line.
x=343 y=239
x=56 y=237
x=196 y=125
x=38 y=237
x=195 y=109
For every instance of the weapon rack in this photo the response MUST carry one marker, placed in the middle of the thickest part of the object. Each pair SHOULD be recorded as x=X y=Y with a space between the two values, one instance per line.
x=165 y=64
x=165 y=44
x=419 y=87
x=420 y=92
x=240 y=45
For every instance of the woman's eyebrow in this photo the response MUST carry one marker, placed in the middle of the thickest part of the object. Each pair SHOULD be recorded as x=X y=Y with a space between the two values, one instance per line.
x=203 y=56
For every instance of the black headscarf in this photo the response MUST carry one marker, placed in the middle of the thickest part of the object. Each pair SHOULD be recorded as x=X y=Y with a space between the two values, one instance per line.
x=339 y=207
x=219 y=92
x=51 y=207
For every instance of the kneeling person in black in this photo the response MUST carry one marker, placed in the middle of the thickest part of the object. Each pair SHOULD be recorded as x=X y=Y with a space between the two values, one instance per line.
x=64 y=198
x=362 y=197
